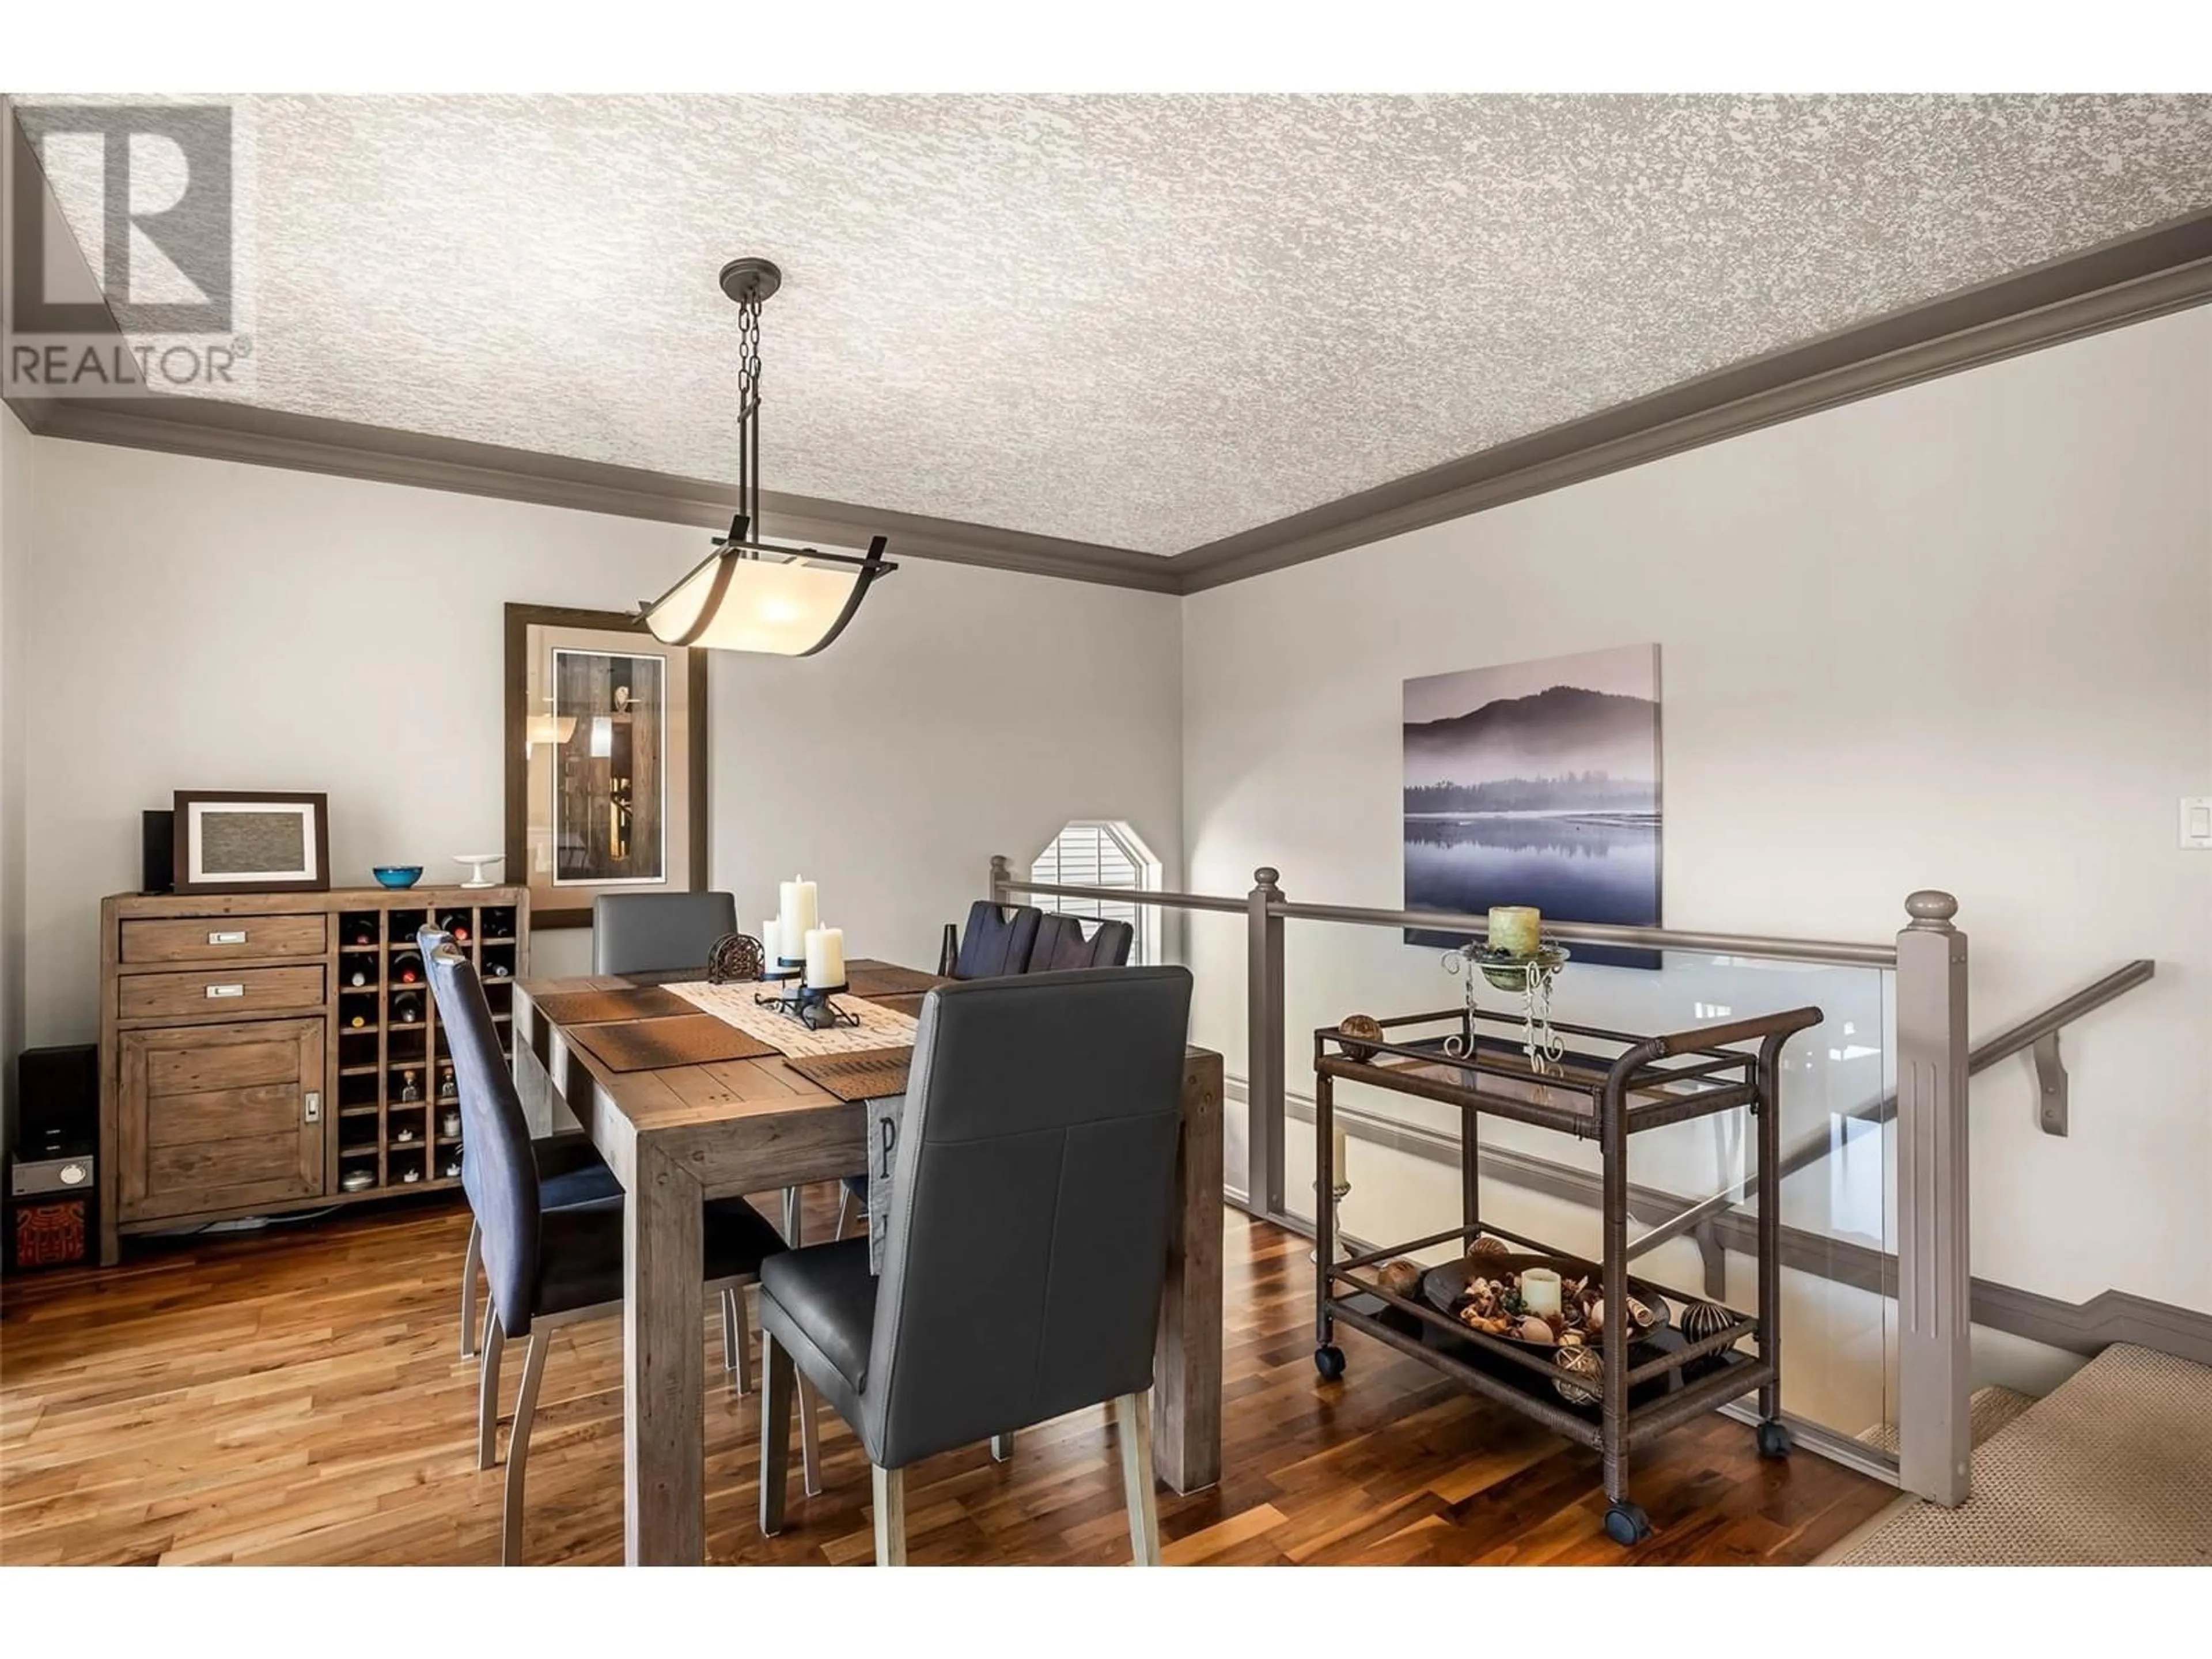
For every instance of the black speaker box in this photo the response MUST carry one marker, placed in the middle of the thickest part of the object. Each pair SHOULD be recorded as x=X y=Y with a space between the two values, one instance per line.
x=59 y=1093
x=158 y=852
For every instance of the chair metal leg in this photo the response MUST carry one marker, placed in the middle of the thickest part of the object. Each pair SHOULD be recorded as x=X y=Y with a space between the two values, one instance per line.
x=468 y=1266
x=487 y=1390
x=1002 y=1448
x=1133 y=1413
x=890 y=1515
x=777 y=1374
x=810 y=1437
x=517 y=1448
x=737 y=1340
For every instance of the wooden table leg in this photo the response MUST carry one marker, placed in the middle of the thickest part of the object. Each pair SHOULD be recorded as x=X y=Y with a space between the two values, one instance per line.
x=1186 y=1361
x=664 y=1374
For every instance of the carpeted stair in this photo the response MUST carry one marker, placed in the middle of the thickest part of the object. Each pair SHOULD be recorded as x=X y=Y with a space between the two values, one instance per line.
x=2113 y=1469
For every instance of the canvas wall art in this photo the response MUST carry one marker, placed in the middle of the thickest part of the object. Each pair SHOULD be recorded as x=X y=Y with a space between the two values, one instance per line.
x=1537 y=783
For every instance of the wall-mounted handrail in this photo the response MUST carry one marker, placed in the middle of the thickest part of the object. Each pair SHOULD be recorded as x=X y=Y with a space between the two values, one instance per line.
x=1815 y=1147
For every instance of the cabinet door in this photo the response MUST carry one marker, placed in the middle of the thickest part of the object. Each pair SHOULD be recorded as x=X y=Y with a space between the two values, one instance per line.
x=213 y=1117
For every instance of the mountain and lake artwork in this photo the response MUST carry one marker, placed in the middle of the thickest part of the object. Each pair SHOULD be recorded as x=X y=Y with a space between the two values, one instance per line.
x=1537 y=783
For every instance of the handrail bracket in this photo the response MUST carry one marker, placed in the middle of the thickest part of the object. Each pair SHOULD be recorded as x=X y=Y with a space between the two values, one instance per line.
x=2050 y=1085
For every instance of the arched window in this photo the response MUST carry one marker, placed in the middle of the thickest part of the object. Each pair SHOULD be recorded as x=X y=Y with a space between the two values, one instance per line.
x=1102 y=853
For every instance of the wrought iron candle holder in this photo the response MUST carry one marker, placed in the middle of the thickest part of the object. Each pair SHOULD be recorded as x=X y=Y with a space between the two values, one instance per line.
x=810 y=1005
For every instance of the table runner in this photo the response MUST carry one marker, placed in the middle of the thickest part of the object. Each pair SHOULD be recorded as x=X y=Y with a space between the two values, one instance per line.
x=879 y=1028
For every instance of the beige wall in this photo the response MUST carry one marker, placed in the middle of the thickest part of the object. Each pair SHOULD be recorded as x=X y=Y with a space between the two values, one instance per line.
x=201 y=624
x=16 y=446
x=1958 y=635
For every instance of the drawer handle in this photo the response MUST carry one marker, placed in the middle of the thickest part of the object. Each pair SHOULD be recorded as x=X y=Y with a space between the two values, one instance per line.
x=215 y=991
x=234 y=938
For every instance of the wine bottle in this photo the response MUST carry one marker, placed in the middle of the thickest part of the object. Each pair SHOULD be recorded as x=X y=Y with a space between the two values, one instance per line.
x=358 y=1019
x=360 y=976
x=407 y=1008
x=361 y=930
x=407 y=968
x=455 y=922
x=497 y=970
x=448 y=1089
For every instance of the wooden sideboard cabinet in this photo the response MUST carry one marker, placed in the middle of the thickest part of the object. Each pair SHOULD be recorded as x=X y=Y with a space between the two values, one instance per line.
x=267 y=1052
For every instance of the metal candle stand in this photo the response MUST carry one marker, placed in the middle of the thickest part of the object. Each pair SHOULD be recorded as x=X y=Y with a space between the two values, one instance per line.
x=809 y=1004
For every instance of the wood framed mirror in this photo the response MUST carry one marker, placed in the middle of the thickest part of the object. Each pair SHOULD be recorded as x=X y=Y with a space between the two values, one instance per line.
x=606 y=761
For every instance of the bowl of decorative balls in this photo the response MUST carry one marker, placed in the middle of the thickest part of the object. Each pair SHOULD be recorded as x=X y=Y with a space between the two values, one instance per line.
x=1550 y=1304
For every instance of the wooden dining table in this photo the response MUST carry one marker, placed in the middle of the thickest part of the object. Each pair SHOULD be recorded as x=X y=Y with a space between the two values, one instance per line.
x=677 y=1135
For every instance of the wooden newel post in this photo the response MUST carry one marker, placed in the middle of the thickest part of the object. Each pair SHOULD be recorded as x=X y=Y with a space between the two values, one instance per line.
x=1002 y=875
x=1263 y=1044
x=1934 y=1284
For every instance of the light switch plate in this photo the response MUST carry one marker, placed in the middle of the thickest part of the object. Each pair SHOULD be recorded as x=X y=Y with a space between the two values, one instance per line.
x=2196 y=823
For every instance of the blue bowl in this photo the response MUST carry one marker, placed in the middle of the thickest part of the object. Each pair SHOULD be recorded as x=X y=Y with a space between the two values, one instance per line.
x=397 y=875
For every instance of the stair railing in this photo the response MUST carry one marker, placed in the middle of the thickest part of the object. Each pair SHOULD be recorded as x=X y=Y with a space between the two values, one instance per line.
x=1933 y=1057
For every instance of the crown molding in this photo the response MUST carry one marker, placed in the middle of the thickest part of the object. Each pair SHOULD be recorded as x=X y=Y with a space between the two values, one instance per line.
x=2165 y=267
x=217 y=431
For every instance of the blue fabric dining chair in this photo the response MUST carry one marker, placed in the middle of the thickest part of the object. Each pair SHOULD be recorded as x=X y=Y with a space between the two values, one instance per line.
x=569 y=1171
x=545 y=1267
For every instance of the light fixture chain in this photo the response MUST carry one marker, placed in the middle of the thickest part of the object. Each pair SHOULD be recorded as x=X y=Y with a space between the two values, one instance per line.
x=748 y=370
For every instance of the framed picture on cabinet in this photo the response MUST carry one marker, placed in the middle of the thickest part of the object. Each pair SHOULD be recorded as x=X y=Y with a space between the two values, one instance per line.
x=251 y=842
x=606 y=761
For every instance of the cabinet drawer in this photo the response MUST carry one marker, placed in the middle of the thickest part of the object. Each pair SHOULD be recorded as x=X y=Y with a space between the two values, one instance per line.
x=224 y=939
x=218 y=991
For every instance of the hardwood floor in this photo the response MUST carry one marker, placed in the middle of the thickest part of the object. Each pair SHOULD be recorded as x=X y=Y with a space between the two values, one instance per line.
x=298 y=1396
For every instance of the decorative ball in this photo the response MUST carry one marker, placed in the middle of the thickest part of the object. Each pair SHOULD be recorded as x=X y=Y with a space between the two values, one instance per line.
x=1360 y=1026
x=1700 y=1320
x=1401 y=1278
x=735 y=956
x=1533 y=1329
x=1577 y=1362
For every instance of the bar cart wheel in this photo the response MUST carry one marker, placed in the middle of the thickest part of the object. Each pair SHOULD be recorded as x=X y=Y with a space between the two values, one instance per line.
x=1626 y=1524
x=1775 y=1439
x=1329 y=1360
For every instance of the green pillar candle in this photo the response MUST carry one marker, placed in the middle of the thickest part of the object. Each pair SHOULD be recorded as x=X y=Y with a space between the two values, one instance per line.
x=1517 y=928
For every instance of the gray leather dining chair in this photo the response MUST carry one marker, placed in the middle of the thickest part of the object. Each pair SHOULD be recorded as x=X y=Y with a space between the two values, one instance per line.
x=666 y=933
x=651 y=932
x=1026 y=1242
x=546 y=1267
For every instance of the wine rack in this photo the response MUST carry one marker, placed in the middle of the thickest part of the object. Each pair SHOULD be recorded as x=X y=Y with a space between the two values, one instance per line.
x=395 y=1066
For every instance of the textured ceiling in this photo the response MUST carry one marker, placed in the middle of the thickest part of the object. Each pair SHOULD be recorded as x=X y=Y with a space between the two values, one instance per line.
x=1144 y=322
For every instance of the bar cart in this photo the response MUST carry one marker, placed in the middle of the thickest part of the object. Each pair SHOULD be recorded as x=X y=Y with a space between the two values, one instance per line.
x=1608 y=1086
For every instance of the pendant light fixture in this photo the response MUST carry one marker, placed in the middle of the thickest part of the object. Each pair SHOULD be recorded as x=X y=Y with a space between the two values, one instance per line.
x=749 y=595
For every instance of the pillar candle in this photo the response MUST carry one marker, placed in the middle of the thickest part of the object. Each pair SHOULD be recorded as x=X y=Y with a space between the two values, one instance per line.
x=825 y=957
x=771 y=942
x=798 y=916
x=1540 y=1290
x=1336 y=1144
x=1517 y=928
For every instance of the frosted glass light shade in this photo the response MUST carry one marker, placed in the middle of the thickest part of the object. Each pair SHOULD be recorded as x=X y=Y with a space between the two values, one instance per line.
x=550 y=728
x=783 y=608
